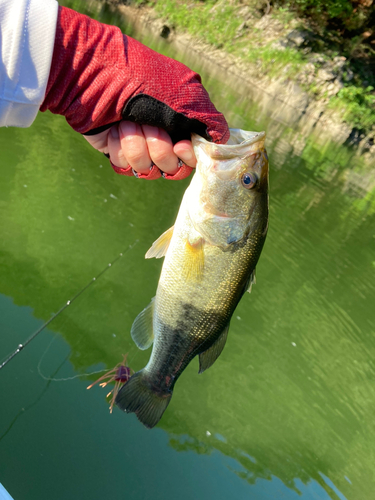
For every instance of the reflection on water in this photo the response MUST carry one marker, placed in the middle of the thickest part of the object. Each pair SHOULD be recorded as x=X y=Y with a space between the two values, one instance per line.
x=287 y=410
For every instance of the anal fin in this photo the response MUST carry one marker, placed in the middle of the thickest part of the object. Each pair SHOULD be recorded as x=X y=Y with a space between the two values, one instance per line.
x=252 y=280
x=160 y=246
x=208 y=357
x=142 y=331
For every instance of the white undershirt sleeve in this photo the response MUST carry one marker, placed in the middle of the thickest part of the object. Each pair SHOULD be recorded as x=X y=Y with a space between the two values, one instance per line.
x=27 y=36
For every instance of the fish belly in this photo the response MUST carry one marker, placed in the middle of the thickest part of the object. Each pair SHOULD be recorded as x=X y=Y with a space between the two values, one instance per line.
x=191 y=312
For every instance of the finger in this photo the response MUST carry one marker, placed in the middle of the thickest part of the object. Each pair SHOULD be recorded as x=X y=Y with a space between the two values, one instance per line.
x=184 y=150
x=115 y=151
x=99 y=141
x=160 y=149
x=134 y=147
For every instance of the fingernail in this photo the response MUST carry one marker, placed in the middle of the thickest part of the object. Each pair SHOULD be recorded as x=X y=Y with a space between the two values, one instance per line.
x=187 y=156
x=114 y=132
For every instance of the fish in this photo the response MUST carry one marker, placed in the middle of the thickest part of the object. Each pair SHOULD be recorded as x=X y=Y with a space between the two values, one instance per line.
x=210 y=254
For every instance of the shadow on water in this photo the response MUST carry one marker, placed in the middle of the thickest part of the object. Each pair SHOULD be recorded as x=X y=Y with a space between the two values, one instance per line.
x=290 y=402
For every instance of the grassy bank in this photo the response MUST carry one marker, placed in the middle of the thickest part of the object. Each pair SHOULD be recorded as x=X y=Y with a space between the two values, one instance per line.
x=327 y=47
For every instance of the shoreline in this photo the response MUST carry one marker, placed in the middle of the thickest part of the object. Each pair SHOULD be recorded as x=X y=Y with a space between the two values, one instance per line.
x=295 y=108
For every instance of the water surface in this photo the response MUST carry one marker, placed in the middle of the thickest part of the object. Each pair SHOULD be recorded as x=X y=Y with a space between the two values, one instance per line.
x=287 y=412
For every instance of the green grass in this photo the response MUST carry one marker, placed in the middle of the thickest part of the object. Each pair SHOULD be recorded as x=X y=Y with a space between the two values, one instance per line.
x=214 y=22
x=217 y=23
x=273 y=61
x=357 y=106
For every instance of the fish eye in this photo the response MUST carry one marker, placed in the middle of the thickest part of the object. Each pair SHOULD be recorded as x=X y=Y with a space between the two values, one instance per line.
x=249 y=180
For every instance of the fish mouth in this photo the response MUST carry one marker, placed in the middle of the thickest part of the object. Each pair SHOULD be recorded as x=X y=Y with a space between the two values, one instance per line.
x=241 y=143
x=239 y=137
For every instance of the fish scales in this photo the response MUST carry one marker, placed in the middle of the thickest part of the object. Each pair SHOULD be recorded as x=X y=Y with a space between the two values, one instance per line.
x=210 y=258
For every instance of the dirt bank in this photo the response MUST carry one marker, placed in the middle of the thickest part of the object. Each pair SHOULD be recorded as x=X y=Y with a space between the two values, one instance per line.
x=283 y=96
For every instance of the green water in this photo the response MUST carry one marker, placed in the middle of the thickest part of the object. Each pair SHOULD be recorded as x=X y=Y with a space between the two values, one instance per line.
x=287 y=412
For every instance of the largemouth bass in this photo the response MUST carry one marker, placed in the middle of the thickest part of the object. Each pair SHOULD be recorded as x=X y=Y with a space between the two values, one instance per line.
x=210 y=258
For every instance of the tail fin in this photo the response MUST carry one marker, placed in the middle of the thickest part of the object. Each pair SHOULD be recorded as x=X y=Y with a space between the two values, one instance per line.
x=137 y=396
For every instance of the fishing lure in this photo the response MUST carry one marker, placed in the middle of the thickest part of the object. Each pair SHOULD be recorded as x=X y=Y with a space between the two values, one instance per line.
x=120 y=374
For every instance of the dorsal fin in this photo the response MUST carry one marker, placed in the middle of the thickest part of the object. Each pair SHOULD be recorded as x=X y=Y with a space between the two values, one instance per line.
x=142 y=331
x=160 y=246
x=208 y=358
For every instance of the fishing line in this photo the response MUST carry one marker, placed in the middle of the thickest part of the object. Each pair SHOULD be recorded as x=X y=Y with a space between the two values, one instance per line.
x=65 y=379
x=24 y=410
x=20 y=347
x=53 y=379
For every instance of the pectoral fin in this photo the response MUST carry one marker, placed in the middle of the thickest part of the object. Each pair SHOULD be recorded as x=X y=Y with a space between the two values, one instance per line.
x=194 y=259
x=160 y=246
x=208 y=358
x=142 y=331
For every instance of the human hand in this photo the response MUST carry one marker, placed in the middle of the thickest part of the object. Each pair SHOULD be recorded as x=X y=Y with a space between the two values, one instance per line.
x=100 y=77
x=140 y=146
